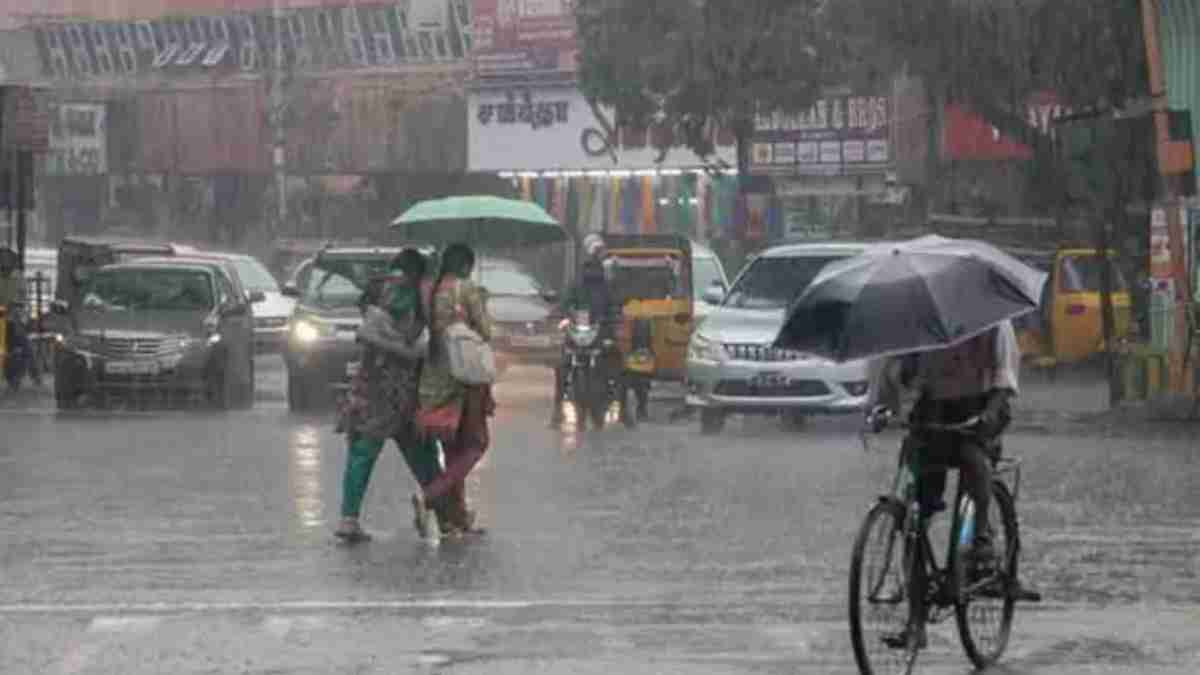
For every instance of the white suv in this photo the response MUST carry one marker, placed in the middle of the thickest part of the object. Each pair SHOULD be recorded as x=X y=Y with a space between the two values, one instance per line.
x=731 y=365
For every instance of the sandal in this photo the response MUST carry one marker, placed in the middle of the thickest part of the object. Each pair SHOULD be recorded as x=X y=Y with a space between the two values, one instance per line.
x=423 y=518
x=350 y=531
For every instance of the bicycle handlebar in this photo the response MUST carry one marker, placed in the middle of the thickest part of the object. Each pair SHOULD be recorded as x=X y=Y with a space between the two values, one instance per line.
x=878 y=420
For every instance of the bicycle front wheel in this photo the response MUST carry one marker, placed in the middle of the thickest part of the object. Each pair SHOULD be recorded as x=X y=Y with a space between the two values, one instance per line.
x=984 y=611
x=879 y=604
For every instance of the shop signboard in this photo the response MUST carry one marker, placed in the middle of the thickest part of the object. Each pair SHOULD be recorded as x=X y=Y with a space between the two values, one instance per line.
x=201 y=132
x=78 y=140
x=26 y=122
x=555 y=128
x=523 y=41
x=215 y=36
x=840 y=134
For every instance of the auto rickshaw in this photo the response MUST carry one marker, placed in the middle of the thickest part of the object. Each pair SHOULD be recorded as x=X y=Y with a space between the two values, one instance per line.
x=651 y=277
x=1068 y=327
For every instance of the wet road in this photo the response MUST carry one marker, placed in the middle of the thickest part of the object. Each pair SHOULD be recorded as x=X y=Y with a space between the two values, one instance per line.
x=198 y=542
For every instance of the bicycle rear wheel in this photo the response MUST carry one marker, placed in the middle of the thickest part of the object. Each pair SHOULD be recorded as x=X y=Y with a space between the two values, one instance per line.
x=984 y=611
x=879 y=604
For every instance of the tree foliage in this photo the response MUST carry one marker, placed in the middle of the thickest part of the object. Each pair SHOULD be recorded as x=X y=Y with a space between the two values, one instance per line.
x=691 y=67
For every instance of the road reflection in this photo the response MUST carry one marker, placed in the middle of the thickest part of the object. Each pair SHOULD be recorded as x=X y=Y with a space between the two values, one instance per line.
x=304 y=477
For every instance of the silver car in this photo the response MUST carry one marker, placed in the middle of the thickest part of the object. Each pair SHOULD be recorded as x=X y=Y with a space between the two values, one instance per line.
x=731 y=365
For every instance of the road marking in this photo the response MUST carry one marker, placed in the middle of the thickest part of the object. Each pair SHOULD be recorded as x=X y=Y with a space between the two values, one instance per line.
x=309 y=606
x=124 y=624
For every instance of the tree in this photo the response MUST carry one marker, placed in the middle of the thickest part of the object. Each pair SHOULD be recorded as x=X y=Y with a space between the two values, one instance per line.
x=687 y=68
x=992 y=55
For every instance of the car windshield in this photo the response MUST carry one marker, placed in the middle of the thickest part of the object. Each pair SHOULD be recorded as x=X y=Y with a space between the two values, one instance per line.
x=1081 y=274
x=707 y=272
x=340 y=282
x=772 y=282
x=255 y=276
x=508 y=281
x=132 y=289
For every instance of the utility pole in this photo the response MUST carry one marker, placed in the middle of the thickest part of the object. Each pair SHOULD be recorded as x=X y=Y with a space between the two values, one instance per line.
x=278 y=105
x=1181 y=295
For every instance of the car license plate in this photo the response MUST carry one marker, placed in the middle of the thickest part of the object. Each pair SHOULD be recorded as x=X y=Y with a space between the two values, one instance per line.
x=347 y=335
x=531 y=342
x=131 y=368
x=769 y=380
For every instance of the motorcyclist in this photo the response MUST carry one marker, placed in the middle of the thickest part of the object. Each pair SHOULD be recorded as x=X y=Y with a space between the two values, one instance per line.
x=591 y=292
x=13 y=299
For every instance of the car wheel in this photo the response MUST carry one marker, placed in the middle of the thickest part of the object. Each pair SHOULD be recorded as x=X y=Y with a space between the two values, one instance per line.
x=221 y=388
x=246 y=395
x=712 y=420
x=298 y=394
x=66 y=391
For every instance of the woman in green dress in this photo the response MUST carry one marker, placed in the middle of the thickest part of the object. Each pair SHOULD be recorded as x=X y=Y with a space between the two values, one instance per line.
x=454 y=297
x=383 y=399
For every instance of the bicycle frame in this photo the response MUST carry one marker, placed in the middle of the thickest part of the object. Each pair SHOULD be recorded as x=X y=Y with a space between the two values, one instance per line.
x=932 y=586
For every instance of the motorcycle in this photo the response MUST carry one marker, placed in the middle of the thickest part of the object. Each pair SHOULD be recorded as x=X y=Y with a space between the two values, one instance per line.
x=592 y=377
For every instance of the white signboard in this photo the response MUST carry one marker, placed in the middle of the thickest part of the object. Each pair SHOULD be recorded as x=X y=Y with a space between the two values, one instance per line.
x=554 y=129
x=78 y=140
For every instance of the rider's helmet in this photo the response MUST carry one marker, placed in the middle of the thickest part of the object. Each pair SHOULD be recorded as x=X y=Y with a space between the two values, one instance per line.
x=594 y=246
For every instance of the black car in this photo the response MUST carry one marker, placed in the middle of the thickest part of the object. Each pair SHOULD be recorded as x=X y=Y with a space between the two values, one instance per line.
x=167 y=325
x=322 y=334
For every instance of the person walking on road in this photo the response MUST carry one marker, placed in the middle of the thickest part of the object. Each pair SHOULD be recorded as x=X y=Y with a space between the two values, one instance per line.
x=454 y=297
x=383 y=397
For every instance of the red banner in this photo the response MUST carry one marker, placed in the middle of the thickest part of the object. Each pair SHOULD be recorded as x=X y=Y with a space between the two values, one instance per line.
x=524 y=41
x=967 y=136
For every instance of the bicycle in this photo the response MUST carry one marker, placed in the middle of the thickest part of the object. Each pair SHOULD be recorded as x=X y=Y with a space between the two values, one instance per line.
x=911 y=584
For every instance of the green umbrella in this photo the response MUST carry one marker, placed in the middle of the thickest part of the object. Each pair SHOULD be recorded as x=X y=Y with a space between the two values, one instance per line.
x=480 y=220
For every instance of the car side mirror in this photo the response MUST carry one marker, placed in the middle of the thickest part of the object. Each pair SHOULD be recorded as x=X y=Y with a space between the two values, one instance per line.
x=256 y=297
x=715 y=294
x=550 y=296
x=290 y=290
x=60 y=307
x=234 y=308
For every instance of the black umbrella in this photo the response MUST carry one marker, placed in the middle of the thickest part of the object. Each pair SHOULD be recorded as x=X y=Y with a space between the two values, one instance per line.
x=925 y=294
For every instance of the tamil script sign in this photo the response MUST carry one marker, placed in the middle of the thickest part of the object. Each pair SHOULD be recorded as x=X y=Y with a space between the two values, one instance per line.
x=554 y=128
x=78 y=140
x=837 y=135
x=524 y=41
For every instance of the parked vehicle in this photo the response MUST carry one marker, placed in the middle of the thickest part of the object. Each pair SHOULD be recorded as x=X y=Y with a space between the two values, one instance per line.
x=592 y=373
x=322 y=335
x=731 y=365
x=1069 y=326
x=161 y=326
x=524 y=313
x=271 y=316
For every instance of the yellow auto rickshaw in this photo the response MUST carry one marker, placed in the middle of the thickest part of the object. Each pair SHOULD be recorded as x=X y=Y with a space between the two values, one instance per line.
x=1068 y=327
x=651 y=278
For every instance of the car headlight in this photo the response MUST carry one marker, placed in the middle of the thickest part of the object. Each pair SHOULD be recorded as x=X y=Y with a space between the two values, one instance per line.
x=306 y=331
x=857 y=387
x=583 y=338
x=703 y=349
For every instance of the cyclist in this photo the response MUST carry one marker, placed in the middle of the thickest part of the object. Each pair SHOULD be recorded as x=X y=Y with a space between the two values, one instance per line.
x=976 y=378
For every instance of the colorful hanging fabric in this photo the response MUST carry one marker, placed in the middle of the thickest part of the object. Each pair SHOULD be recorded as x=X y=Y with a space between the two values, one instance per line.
x=582 y=187
x=571 y=221
x=631 y=205
x=684 y=208
x=526 y=188
x=600 y=190
x=561 y=185
x=616 y=201
x=540 y=193
x=648 y=215
x=702 y=216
